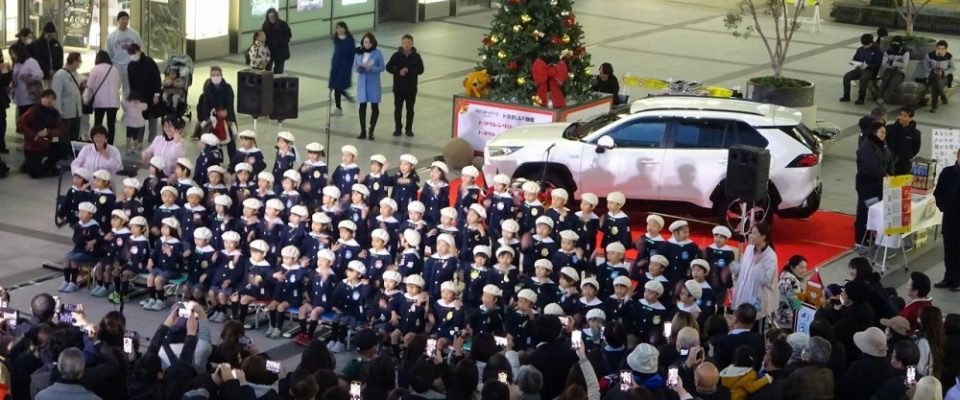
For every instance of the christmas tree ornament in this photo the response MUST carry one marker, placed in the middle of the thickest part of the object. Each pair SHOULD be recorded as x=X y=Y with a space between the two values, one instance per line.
x=494 y=39
x=550 y=80
x=501 y=54
x=525 y=18
x=517 y=28
x=512 y=65
x=566 y=39
x=521 y=81
x=556 y=40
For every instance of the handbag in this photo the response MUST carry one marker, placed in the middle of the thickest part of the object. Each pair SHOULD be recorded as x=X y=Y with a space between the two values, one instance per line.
x=34 y=90
x=88 y=107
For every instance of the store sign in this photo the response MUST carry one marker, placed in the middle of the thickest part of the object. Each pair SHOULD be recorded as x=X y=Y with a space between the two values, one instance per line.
x=897 y=204
x=260 y=7
x=352 y=2
x=306 y=5
x=944 y=147
x=477 y=121
x=79 y=15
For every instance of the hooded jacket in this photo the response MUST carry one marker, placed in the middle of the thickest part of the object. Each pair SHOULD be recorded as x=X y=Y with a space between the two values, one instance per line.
x=874 y=161
x=406 y=84
x=904 y=143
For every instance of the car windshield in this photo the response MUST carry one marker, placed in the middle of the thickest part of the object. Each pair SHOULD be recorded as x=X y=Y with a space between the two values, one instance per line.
x=581 y=129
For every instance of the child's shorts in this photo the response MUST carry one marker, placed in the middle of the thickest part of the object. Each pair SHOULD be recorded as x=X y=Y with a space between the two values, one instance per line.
x=135 y=133
x=134 y=269
x=165 y=274
x=81 y=257
x=260 y=293
x=348 y=320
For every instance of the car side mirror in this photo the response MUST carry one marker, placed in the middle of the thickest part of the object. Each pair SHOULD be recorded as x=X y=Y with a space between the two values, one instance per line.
x=605 y=143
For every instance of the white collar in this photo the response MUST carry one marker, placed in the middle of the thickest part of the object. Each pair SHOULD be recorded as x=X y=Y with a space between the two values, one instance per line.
x=250 y=150
x=390 y=220
x=121 y=231
x=351 y=242
x=683 y=243
x=593 y=216
x=170 y=207
x=535 y=203
x=89 y=223
x=726 y=247
x=547 y=239
x=437 y=184
x=660 y=278
x=445 y=304
x=103 y=191
x=618 y=215
x=656 y=306
x=412 y=251
x=319 y=163
x=438 y=256
x=381 y=252
x=659 y=238
x=349 y=166
x=294 y=267
x=593 y=302
x=261 y=263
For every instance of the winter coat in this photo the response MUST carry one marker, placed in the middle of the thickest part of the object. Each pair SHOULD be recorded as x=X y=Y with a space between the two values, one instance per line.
x=406 y=84
x=863 y=378
x=896 y=60
x=874 y=161
x=23 y=72
x=368 y=81
x=856 y=318
x=38 y=118
x=108 y=95
x=947 y=194
x=49 y=54
x=342 y=63
x=217 y=95
x=813 y=382
x=145 y=80
x=278 y=39
x=904 y=143
x=742 y=381
x=176 y=379
x=69 y=101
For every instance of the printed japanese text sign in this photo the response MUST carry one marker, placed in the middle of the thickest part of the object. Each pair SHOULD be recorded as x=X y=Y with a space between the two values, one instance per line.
x=896 y=204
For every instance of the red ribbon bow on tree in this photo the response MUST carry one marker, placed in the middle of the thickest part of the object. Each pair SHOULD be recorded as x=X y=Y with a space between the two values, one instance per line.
x=550 y=78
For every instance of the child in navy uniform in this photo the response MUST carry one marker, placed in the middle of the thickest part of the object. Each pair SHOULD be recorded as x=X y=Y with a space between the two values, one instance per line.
x=114 y=246
x=656 y=269
x=531 y=209
x=411 y=308
x=152 y=184
x=79 y=192
x=615 y=224
x=349 y=303
x=221 y=221
x=568 y=293
x=415 y=221
x=346 y=249
x=720 y=256
x=248 y=153
x=136 y=254
x=377 y=258
x=313 y=175
x=409 y=261
x=291 y=281
x=688 y=298
x=448 y=225
x=588 y=223
x=509 y=229
x=707 y=303
x=589 y=288
x=504 y=274
x=259 y=285
x=225 y=277
x=286 y=157
x=592 y=333
x=520 y=318
x=165 y=264
x=210 y=155
x=435 y=194
x=215 y=185
x=181 y=179
x=264 y=190
x=377 y=180
x=489 y=317
x=296 y=230
x=242 y=187
x=469 y=193
x=650 y=314
x=499 y=204
x=541 y=284
x=568 y=255
x=441 y=266
x=543 y=246
x=476 y=276
x=347 y=173
x=193 y=215
x=558 y=212
x=386 y=221
x=319 y=294
x=289 y=194
x=405 y=184
x=331 y=204
x=446 y=314
x=319 y=238
x=680 y=251
x=103 y=197
x=249 y=225
x=474 y=233
x=651 y=243
x=201 y=264
x=612 y=267
x=273 y=229
x=131 y=204
x=358 y=212
x=619 y=306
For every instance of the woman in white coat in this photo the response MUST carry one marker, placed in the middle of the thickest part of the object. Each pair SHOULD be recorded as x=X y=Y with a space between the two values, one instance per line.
x=103 y=90
x=756 y=274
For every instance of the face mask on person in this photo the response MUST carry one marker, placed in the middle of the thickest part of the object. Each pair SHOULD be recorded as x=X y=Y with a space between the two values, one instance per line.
x=28 y=41
x=135 y=57
x=216 y=79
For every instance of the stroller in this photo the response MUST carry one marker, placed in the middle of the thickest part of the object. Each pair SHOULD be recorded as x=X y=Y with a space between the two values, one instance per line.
x=174 y=96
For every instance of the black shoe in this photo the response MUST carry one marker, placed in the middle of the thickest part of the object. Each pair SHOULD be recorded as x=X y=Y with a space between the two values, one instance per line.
x=845 y=99
x=859 y=102
x=363 y=135
x=396 y=132
x=409 y=133
x=954 y=289
x=944 y=100
x=933 y=109
x=943 y=285
x=4 y=151
x=371 y=134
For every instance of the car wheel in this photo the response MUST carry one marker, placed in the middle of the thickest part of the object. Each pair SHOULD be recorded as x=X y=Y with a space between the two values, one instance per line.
x=734 y=212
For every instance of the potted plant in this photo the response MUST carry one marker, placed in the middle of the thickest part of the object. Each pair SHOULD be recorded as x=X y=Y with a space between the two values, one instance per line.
x=774 y=89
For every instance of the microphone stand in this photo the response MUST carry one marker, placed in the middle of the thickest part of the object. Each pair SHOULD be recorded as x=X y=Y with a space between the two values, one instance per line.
x=326 y=129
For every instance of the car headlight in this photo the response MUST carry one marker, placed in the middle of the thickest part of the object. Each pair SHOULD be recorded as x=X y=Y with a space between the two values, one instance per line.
x=497 y=151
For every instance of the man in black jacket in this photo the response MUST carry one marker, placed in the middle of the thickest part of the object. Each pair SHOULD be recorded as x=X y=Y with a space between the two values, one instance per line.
x=905 y=354
x=873 y=163
x=48 y=52
x=903 y=139
x=947 y=194
x=866 y=62
x=774 y=363
x=552 y=356
x=723 y=348
x=145 y=81
x=406 y=66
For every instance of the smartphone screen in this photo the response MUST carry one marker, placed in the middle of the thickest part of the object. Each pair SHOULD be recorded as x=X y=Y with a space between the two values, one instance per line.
x=626 y=379
x=128 y=345
x=11 y=317
x=56 y=302
x=684 y=352
x=69 y=308
x=245 y=342
x=502 y=376
x=501 y=341
x=431 y=348
x=911 y=375
x=67 y=318
x=673 y=377
x=667 y=328
x=183 y=313
x=273 y=366
x=355 y=390
x=576 y=339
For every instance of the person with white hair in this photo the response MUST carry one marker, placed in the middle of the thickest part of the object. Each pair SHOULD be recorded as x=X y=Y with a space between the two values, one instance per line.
x=71 y=366
x=815 y=380
x=928 y=388
x=530 y=381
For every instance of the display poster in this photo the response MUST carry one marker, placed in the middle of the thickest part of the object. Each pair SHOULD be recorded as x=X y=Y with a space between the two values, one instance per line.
x=260 y=7
x=351 y=2
x=307 y=5
x=804 y=317
x=897 y=204
x=944 y=147
x=478 y=121
x=77 y=22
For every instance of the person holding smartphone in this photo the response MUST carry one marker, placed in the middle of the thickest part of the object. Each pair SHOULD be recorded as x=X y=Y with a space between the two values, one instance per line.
x=147 y=381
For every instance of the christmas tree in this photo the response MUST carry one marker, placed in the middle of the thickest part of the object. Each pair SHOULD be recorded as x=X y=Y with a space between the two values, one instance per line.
x=524 y=31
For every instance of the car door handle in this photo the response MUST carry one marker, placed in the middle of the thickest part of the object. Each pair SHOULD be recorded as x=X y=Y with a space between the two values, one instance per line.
x=723 y=161
x=649 y=161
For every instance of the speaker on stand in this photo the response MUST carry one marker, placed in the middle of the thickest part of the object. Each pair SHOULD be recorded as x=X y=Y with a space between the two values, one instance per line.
x=286 y=98
x=748 y=175
x=255 y=93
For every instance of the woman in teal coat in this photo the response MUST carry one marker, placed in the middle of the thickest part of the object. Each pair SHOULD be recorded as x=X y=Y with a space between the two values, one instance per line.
x=369 y=65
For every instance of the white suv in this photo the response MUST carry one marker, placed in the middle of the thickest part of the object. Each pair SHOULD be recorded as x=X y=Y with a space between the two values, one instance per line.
x=670 y=149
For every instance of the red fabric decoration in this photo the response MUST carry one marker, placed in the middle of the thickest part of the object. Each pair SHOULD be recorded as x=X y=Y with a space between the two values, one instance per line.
x=570 y=21
x=486 y=41
x=550 y=78
x=556 y=40
x=515 y=1
x=512 y=65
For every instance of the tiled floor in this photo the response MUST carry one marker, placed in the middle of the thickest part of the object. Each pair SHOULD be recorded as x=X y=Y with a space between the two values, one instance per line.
x=655 y=38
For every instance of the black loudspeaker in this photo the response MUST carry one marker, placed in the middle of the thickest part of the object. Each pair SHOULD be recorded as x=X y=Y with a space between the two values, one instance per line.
x=748 y=172
x=286 y=98
x=254 y=92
